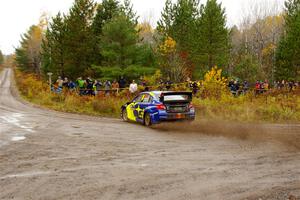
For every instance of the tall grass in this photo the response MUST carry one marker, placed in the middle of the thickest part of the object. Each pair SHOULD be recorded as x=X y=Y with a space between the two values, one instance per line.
x=264 y=108
x=279 y=107
x=38 y=93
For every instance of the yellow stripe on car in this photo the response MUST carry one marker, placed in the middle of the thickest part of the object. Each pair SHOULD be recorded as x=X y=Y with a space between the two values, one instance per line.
x=130 y=111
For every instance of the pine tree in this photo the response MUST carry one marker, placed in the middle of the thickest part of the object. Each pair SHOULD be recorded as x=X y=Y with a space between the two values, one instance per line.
x=165 y=24
x=79 y=43
x=128 y=11
x=213 y=36
x=287 y=54
x=118 y=42
x=28 y=55
x=105 y=12
x=53 y=55
x=178 y=21
x=184 y=24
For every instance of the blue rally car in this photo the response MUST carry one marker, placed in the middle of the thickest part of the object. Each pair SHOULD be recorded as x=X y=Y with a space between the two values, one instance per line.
x=157 y=106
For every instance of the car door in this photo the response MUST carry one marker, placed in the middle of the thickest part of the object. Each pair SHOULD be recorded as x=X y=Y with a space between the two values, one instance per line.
x=142 y=105
x=131 y=108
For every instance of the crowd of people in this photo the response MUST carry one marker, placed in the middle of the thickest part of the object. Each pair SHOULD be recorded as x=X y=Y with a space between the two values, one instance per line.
x=92 y=87
x=88 y=86
x=290 y=85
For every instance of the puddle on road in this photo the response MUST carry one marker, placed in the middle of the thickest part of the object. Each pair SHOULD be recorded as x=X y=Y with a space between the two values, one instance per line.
x=18 y=138
x=10 y=123
x=15 y=120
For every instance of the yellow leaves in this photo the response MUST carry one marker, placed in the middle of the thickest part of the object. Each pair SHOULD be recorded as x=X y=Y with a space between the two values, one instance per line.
x=154 y=79
x=168 y=46
x=215 y=76
x=269 y=50
x=279 y=19
x=214 y=85
x=144 y=28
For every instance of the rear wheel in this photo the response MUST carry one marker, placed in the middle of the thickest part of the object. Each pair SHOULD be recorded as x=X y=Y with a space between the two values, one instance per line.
x=147 y=120
x=124 y=115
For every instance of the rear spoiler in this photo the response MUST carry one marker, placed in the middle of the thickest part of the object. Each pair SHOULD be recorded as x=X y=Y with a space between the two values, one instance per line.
x=189 y=94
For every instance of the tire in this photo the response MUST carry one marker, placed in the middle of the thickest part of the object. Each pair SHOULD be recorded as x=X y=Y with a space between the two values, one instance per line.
x=147 y=120
x=124 y=115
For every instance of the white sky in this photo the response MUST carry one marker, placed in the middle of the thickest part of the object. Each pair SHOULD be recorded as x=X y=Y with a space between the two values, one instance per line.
x=16 y=16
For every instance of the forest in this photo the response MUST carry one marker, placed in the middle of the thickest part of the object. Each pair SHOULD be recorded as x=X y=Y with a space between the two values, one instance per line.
x=108 y=40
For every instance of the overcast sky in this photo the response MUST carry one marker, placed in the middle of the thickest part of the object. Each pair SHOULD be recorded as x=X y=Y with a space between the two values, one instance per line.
x=17 y=15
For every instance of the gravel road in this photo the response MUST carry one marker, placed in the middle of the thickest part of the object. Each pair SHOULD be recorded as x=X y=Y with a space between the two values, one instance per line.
x=51 y=155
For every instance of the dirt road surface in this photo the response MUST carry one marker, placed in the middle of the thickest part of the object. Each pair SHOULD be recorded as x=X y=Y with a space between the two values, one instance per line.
x=51 y=155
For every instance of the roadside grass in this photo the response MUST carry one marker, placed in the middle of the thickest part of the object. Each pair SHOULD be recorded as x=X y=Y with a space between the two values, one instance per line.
x=271 y=108
x=282 y=108
x=37 y=92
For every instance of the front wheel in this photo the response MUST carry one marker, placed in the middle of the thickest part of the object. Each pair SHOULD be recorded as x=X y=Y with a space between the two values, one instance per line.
x=124 y=115
x=147 y=120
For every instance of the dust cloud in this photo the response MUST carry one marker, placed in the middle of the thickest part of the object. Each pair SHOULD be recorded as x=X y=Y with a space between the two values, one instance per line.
x=287 y=134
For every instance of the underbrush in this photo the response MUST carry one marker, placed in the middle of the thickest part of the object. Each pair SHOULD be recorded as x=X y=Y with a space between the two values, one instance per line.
x=282 y=108
x=276 y=108
x=37 y=92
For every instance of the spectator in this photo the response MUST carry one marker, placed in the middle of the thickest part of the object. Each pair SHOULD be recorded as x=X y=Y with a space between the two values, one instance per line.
x=257 y=87
x=231 y=82
x=291 y=85
x=60 y=82
x=266 y=85
x=168 y=84
x=107 y=87
x=261 y=87
x=71 y=85
x=245 y=87
x=234 y=88
x=97 y=85
x=66 y=83
x=115 y=86
x=81 y=85
x=122 y=83
x=276 y=84
x=89 y=86
x=133 y=87
x=95 y=89
x=282 y=84
x=161 y=84
x=195 y=87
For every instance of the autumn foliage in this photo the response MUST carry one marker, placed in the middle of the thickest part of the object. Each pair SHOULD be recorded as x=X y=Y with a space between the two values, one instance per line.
x=214 y=84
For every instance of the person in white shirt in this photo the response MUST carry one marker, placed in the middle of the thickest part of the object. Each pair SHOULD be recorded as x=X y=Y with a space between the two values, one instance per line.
x=60 y=82
x=133 y=87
